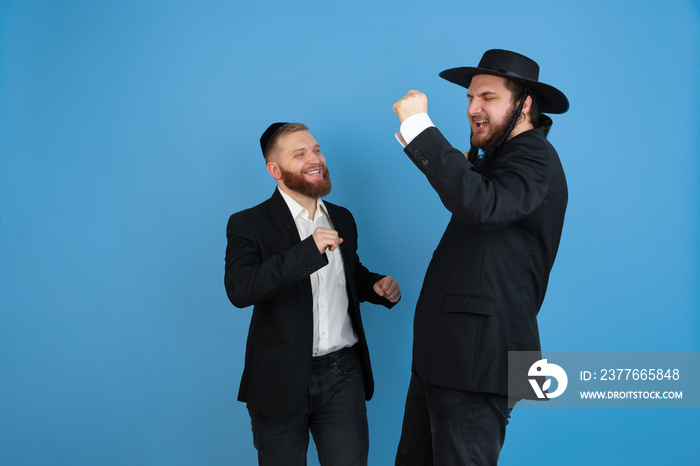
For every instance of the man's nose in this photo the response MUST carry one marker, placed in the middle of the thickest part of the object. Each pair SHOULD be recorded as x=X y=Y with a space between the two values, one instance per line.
x=473 y=108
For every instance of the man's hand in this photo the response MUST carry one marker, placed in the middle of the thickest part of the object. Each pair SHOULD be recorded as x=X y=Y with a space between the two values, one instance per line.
x=388 y=288
x=412 y=103
x=326 y=239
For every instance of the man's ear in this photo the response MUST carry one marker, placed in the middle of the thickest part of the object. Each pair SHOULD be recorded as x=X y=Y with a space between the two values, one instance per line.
x=274 y=170
x=526 y=107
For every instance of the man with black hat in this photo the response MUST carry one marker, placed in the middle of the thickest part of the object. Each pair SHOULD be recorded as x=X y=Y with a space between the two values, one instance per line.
x=487 y=279
x=294 y=259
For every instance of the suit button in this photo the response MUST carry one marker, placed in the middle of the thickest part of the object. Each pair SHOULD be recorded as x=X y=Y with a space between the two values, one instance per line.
x=421 y=158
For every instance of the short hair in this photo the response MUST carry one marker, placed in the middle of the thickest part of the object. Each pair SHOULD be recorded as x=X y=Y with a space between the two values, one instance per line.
x=517 y=90
x=285 y=129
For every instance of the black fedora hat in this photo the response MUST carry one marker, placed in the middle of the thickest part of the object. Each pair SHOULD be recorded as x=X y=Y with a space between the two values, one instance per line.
x=516 y=67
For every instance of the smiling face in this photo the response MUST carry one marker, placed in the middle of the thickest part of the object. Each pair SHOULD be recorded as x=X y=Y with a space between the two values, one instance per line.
x=491 y=108
x=297 y=164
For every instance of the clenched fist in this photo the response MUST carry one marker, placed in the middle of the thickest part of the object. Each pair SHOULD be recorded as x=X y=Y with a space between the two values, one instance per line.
x=388 y=287
x=326 y=238
x=412 y=103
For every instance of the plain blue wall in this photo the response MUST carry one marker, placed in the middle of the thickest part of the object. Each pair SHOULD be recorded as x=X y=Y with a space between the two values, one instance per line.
x=129 y=133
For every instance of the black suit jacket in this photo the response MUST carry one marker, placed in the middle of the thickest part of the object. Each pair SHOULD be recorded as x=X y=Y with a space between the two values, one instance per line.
x=268 y=267
x=487 y=279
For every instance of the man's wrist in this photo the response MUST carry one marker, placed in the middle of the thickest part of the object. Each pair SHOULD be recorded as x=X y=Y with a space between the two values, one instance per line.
x=412 y=126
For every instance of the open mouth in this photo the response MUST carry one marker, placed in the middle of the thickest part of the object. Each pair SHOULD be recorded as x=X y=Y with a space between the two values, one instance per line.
x=314 y=172
x=481 y=123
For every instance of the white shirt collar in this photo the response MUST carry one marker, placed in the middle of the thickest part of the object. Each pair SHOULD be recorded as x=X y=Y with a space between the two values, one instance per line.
x=297 y=209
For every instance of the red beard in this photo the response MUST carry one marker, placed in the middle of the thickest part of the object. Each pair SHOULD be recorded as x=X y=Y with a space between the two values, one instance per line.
x=297 y=182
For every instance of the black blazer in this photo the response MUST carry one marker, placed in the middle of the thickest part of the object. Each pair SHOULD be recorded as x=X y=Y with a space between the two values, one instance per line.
x=487 y=279
x=268 y=267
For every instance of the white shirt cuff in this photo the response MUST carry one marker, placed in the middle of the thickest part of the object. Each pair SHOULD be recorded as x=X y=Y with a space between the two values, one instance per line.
x=412 y=127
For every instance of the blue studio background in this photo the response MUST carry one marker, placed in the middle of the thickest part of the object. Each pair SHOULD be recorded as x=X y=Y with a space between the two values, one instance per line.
x=129 y=133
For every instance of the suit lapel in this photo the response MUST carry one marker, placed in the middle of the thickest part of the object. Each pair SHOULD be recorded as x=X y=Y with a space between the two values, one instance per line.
x=339 y=226
x=289 y=228
x=285 y=216
x=342 y=228
x=336 y=219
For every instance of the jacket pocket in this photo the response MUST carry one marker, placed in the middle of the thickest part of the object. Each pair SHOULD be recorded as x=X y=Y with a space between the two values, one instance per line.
x=469 y=304
x=270 y=343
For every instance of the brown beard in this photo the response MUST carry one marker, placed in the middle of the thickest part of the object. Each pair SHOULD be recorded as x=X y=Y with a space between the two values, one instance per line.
x=489 y=142
x=297 y=182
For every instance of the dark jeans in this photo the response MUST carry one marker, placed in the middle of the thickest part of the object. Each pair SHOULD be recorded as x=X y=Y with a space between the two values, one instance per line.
x=446 y=427
x=334 y=410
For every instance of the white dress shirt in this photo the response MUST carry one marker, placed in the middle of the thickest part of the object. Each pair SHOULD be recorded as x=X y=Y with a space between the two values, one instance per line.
x=412 y=127
x=332 y=326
